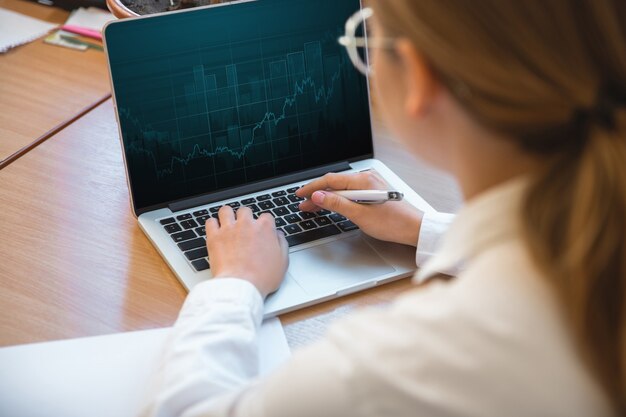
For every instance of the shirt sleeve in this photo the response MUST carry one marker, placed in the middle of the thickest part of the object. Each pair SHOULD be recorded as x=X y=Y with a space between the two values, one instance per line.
x=212 y=353
x=434 y=226
x=211 y=363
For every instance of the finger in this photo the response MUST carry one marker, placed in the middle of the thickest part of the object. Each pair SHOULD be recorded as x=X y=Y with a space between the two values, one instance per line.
x=267 y=218
x=334 y=202
x=363 y=180
x=374 y=177
x=226 y=216
x=244 y=213
x=332 y=180
x=309 y=206
x=212 y=226
x=282 y=242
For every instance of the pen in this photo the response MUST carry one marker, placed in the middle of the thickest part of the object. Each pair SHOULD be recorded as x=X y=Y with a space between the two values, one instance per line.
x=370 y=196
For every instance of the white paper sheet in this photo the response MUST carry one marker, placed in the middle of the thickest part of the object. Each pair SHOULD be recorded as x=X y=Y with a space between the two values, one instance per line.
x=104 y=376
x=17 y=29
x=90 y=18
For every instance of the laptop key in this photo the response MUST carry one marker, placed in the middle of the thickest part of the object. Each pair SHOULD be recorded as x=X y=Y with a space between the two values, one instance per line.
x=201 y=231
x=254 y=208
x=293 y=190
x=192 y=255
x=347 y=226
x=182 y=236
x=172 y=228
x=234 y=204
x=323 y=212
x=281 y=211
x=295 y=208
x=266 y=205
x=192 y=244
x=248 y=201
x=200 y=265
x=323 y=221
x=293 y=218
x=306 y=215
x=202 y=219
x=281 y=201
x=291 y=229
x=184 y=217
x=280 y=222
x=189 y=224
x=336 y=217
x=263 y=197
x=308 y=225
x=168 y=221
x=294 y=198
x=279 y=193
x=311 y=235
x=201 y=213
x=215 y=209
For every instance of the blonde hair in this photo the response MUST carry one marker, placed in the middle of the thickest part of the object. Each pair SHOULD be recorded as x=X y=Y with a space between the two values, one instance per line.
x=550 y=75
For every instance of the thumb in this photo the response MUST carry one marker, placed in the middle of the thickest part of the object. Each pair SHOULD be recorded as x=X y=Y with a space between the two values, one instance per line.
x=333 y=202
x=282 y=242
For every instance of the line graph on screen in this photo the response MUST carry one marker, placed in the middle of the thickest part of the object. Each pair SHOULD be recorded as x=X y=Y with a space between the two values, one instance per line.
x=231 y=110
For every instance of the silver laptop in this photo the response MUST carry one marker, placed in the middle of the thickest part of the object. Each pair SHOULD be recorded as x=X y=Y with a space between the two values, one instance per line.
x=241 y=104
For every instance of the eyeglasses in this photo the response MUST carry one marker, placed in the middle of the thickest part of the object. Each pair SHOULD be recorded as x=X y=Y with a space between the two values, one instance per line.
x=358 y=50
x=358 y=46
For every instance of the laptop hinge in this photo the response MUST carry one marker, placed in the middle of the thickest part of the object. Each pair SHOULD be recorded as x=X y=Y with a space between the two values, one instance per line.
x=257 y=186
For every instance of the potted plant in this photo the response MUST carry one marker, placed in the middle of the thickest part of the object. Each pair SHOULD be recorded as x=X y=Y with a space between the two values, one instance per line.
x=131 y=8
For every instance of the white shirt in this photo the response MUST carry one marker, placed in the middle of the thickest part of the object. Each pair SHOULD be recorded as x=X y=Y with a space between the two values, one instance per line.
x=490 y=342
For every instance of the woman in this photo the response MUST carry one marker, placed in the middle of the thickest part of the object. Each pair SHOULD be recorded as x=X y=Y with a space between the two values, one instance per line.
x=524 y=102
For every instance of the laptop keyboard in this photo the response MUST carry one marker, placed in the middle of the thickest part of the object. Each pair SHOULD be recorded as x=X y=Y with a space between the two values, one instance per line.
x=188 y=230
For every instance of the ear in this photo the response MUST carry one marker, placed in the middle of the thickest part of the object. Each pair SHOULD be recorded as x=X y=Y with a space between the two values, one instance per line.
x=420 y=81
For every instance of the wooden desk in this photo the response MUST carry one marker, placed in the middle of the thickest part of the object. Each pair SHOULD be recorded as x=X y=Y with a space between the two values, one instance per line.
x=43 y=85
x=74 y=263
x=73 y=260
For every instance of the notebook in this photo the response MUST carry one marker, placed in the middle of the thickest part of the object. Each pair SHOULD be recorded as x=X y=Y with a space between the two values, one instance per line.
x=101 y=376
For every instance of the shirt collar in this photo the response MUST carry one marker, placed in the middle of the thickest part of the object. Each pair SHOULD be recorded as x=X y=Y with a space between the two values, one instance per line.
x=488 y=219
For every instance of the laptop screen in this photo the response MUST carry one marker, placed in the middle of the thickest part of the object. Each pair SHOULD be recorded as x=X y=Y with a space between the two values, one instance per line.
x=214 y=98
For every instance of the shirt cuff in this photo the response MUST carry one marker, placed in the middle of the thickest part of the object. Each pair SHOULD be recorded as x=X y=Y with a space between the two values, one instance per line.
x=218 y=292
x=434 y=226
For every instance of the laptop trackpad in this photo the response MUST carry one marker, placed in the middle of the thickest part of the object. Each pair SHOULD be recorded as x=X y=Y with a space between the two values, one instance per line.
x=324 y=269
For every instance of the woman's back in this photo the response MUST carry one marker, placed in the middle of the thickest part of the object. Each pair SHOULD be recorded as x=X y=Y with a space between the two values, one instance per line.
x=490 y=342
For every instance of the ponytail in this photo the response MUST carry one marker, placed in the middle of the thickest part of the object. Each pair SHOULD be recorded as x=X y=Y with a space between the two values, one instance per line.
x=574 y=223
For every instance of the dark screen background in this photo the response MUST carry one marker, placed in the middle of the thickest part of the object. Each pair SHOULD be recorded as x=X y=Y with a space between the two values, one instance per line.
x=219 y=97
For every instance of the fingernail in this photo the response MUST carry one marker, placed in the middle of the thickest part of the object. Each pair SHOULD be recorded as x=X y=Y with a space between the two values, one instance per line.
x=318 y=197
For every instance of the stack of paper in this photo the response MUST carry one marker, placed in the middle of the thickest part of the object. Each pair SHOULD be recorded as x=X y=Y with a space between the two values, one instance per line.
x=89 y=18
x=104 y=376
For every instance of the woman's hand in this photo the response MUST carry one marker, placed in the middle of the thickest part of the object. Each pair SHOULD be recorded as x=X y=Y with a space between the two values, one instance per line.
x=241 y=247
x=393 y=221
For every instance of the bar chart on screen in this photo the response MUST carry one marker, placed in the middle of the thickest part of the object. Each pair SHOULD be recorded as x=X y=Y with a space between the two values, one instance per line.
x=233 y=120
x=245 y=93
x=236 y=117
